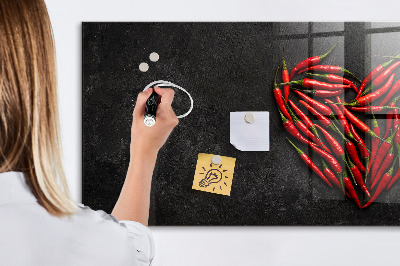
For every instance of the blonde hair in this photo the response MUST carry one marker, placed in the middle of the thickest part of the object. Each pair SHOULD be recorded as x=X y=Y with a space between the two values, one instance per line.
x=29 y=122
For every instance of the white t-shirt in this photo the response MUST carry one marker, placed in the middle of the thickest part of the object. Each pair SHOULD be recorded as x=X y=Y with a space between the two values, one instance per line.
x=29 y=235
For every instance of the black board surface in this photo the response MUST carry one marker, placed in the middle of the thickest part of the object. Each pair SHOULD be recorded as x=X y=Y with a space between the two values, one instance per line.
x=226 y=67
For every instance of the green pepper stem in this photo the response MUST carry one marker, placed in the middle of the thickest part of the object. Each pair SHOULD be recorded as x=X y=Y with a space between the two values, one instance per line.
x=371 y=133
x=374 y=122
x=349 y=165
x=297 y=149
x=284 y=119
x=294 y=117
x=325 y=76
x=390 y=172
x=309 y=91
x=386 y=64
x=276 y=74
x=324 y=166
x=344 y=174
x=351 y=74
x=390 y=107
x=367 y=90
x=389 y=140
x=366 y=166
x=348 y=104
x=321 y=57
x=297 y=82
x=395 y=100
x=283 y=59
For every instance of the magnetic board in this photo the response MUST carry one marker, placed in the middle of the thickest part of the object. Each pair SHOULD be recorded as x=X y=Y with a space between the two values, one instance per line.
x=226 y=67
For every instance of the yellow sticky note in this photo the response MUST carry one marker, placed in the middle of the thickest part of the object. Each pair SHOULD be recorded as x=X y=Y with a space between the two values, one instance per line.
x=214 y=178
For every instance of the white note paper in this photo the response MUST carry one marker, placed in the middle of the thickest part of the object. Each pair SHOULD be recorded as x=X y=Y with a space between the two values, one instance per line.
x=246 y=136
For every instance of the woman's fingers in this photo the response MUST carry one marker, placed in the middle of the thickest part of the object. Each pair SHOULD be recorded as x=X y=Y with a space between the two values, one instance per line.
x=167 y=95
x=164 y=109
x=140 y=105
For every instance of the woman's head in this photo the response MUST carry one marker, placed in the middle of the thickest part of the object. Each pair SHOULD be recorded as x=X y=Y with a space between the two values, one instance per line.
x=29 y=125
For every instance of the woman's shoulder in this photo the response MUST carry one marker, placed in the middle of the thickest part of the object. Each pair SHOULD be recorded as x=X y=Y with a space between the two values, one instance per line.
x=86 y=236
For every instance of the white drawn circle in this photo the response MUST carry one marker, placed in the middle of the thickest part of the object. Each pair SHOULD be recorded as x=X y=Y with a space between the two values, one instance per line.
x=164 y=83
x=143 y=67
x=154 y=57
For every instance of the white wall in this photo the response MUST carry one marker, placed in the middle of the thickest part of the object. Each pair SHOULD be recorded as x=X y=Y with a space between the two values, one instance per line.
x=192 y=246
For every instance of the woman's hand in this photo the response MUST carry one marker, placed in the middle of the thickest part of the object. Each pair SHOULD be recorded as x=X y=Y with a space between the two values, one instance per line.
x=148 y=140
x=134 y=201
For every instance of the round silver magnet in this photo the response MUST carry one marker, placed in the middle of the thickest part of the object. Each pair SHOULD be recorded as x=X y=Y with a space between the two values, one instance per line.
x=154 y=57
x=216 y=159
x=249 y=118
x=143 y=67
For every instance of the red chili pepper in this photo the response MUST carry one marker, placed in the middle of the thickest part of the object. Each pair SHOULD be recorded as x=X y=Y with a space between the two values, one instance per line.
x=335 y=79
x=310 y=125
x=370 y=109
x=350 y=189
x=383 y=76
x=302 y=116
x=375 y=143
x=358 y=123
x=324 y=121
x=381 y=154
x=356 y=174
x=372 y=75
x=385 y=165
x=329 y=158
x=389 y=118
x=381 y=186
x=378 y=81
x=369 y=98
x=330 y=174
x=323 y=93
x=285 y=77
x=396 y=118
x=361 y=144
x=330 y=69
x=394 y=179
x=366 y=91
x=279 y=99
x=316 y=84
x=325 y=110
x=342 y=119
x=351 y=149
x=300 y=125
x=397 y=137
x=310 y=164
x=397 y=174
x=336 y=147
x=391 y=93
x=310 y=62
x=289 y=126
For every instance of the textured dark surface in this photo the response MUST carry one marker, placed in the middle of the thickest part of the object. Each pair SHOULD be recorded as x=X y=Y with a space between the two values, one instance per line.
x=226 y=67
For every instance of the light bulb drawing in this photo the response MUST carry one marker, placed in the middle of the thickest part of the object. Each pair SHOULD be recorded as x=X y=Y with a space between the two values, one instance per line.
x=213 y=176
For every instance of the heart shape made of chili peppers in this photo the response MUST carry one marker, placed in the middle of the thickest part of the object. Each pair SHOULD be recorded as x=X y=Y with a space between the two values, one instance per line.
x=338 y=135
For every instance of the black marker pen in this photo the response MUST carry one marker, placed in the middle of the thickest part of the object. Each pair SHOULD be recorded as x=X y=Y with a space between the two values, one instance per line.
x=151 y=109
